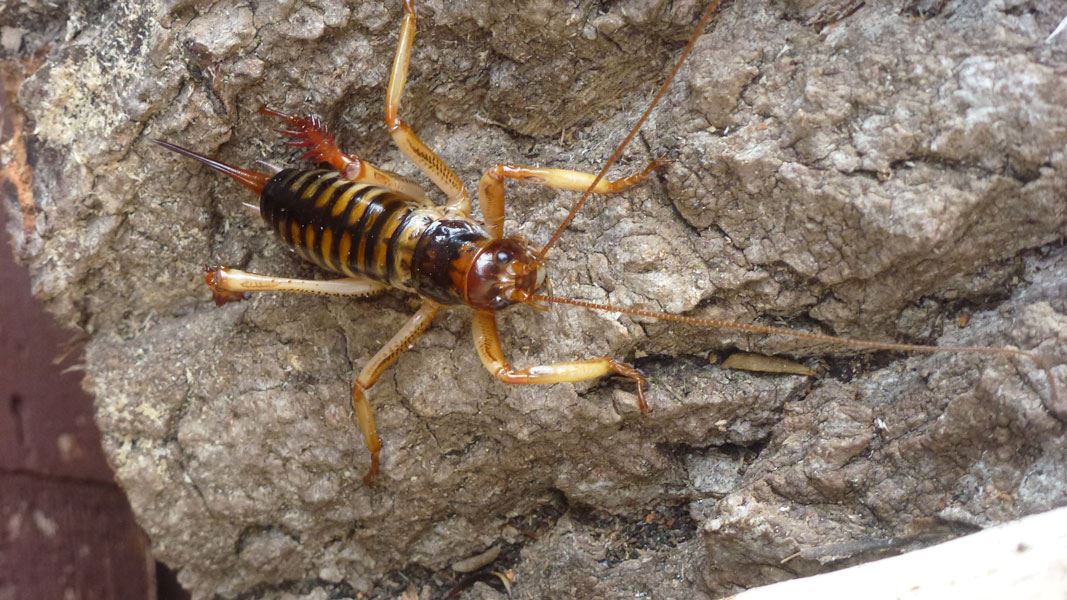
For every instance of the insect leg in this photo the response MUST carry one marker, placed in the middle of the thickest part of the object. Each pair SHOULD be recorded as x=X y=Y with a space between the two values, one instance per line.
x=487 y=342
x=403 y=136
x=312 y=133
x=230 y=285
x=491 y=187
x=370 y=373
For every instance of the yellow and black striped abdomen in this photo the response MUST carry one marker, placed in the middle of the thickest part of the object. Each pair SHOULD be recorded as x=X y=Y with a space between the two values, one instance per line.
x=344 y=226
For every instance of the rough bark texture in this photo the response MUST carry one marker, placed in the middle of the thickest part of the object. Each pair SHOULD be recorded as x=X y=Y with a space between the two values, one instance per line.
x=1020 y=559
x=870 y=170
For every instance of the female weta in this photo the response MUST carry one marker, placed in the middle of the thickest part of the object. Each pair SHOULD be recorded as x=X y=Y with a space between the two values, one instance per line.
x=379 y=231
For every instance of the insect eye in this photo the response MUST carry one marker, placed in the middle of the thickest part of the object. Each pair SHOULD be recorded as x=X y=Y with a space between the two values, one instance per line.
x=502 y=256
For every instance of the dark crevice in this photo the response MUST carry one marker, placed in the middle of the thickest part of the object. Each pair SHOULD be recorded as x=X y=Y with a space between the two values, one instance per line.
x=822 y=16
x=445 y=583
x=626 y=538
x=746 y=453
x=1020 y=10
x=15 y=406
x=656 y=362
x=924 y=9
x=1007 y=169
x=302 y=587
x=58 y=479
x=1026 y=176
x=847 y=368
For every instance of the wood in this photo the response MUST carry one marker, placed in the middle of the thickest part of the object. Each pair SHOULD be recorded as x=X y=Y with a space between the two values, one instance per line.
x=1021 y=559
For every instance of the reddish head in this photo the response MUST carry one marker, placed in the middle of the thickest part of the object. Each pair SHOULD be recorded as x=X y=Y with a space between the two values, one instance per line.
x=456 y=262
x=503 y=273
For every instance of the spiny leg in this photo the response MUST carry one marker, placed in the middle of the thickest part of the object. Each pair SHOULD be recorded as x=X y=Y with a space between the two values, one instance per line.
x=230 y=285
x=312 y=133
x=374 y=368
x=491 y=187
x=487 y=342
x=403 y=136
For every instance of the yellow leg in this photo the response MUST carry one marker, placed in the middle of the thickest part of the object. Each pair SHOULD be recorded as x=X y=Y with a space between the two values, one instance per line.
x=407 y=140
x=491 y=187
x=374 y=368
x=311 y=133
x=229 y=285
x=487 y=342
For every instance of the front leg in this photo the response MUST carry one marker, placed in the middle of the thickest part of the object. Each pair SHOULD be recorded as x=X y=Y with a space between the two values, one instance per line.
x=491 y=187
x=487 y=342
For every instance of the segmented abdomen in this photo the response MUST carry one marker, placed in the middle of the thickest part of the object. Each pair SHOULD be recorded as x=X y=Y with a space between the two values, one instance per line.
x=346 y=227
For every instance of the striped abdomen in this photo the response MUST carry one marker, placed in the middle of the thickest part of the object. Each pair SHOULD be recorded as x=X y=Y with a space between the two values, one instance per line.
x=346 y=227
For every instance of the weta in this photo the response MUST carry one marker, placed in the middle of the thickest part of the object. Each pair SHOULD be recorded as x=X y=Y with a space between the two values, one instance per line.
x=380 y=231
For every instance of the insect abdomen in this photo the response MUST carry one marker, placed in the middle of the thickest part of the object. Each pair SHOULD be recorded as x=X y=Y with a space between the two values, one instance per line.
x=344 y=226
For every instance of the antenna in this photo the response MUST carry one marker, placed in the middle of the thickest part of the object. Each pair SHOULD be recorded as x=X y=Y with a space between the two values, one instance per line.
x=1052 y=407
x=697 y=31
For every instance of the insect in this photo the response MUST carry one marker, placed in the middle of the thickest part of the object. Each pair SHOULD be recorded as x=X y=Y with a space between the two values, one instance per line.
x=380 y=231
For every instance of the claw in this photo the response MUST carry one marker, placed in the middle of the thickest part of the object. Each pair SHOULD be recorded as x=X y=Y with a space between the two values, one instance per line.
x=372 y=472
x=642 y=404
x=632 y=372
x=655 y=165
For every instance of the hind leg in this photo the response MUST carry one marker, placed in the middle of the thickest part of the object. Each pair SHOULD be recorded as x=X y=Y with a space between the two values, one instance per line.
x=312 y=133
x=404 y=137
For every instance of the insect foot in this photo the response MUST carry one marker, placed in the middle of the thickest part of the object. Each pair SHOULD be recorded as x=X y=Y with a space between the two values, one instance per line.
x=626 y=370
x=217 y=279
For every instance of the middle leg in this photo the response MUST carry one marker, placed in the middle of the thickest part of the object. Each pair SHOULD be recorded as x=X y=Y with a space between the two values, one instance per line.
x=231 y=285
x=374 y=368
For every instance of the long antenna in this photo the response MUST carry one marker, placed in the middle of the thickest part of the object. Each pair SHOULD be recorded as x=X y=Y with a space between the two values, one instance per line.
x=697 y=31
x=720 y=324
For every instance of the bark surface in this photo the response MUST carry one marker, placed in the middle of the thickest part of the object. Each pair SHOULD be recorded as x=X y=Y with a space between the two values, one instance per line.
x=874 y=170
